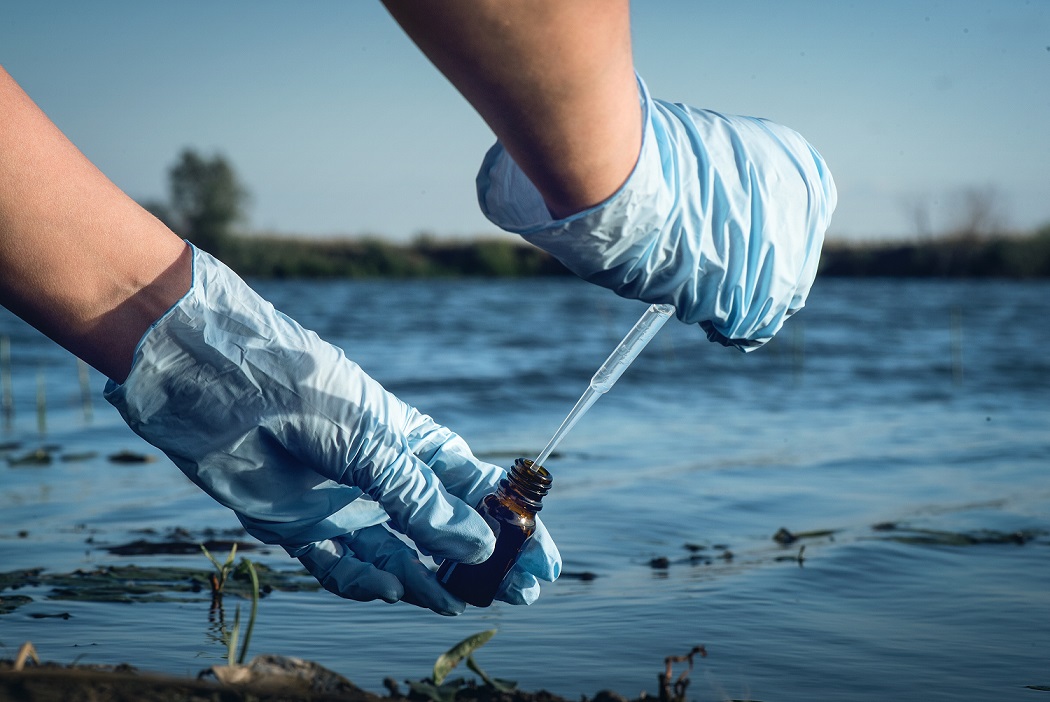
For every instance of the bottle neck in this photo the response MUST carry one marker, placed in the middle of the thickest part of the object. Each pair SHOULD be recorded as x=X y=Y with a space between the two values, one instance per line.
x=526 y=485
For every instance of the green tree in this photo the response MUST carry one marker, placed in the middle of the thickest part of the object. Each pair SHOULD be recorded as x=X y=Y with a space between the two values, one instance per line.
x=206 y=200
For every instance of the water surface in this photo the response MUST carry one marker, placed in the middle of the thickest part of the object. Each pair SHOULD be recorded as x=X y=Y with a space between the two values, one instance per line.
x=921 y=404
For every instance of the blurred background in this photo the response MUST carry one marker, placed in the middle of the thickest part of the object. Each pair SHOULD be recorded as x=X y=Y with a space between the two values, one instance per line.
x=932 y=115
x=895 y=430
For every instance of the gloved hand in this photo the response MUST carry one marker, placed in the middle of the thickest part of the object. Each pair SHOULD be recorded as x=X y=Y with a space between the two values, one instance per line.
x=723 y=217
x=309 y=451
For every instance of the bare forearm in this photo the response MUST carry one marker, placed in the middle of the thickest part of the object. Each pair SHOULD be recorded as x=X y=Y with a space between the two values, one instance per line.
x=554 y=79
x=79 y=259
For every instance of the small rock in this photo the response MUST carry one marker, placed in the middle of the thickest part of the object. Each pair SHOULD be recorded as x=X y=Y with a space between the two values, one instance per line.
x=608 y=696
x=284 y=672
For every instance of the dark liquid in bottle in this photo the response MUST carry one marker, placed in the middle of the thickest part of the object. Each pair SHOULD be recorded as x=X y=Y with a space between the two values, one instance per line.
x=510 y=513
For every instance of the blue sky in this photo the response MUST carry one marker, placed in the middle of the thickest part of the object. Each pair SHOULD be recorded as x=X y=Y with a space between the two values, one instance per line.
x=338 y=125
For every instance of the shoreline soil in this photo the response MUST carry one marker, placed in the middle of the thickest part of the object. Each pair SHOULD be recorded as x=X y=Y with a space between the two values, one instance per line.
x=296 y=680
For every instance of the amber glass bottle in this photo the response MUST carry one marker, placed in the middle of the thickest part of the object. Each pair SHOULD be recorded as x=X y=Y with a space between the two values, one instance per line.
x=511 y=514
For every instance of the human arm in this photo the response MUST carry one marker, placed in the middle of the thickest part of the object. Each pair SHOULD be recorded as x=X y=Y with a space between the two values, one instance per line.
x=554 y=79
x=309 y=451
x=81 y=261
x=721 y=216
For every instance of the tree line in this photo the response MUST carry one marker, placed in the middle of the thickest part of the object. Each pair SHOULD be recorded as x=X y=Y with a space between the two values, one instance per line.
x=207 y=203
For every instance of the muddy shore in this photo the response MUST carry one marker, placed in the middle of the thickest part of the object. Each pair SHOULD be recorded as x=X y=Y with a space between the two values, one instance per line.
x=294 y=680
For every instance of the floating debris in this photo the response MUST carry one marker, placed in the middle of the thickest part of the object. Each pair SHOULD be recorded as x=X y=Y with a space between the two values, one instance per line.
x=37 y=457
x=137 y=584
x=142 y=547
x=9 y=603
x=660 y=563
x=936 y=537
x=131 y=457
x=785 y=537
x=584 y=575
x=798 y=558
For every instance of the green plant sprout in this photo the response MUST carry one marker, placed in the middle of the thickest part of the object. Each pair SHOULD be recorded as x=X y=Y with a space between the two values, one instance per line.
x=218 y=585
x=249 y=567
x=222 y=571
x=233 y=636
x=438 y=689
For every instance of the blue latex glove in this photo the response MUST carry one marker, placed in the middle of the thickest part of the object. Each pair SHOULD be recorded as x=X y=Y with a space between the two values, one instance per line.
x=309 y=451
x=723 y=217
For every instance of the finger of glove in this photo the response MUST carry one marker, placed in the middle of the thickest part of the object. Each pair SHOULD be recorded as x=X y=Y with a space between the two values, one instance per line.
x=540 y=556
x=385 y=551
x=519 y=588
x=539 y=560
x=440 y=524
x=339 y=571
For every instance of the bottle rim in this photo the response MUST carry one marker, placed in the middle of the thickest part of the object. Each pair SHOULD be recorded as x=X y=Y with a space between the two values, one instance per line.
x=528 y=483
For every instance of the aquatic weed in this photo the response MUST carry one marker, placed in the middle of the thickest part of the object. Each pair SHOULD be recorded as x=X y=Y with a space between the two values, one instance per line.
x=673 y=689
x=439 y=689
x=222 y=571
x=233 y=635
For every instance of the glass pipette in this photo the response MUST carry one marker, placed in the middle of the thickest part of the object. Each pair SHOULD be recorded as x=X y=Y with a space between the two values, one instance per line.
x=621 y=357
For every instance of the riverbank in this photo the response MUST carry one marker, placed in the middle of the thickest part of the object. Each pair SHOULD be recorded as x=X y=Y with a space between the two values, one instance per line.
x=265 y=679
x=282 y=256
x=917 y=403
x=51 y=682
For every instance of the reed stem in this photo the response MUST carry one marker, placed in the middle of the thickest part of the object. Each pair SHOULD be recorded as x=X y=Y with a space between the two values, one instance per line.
x=6 y=392
x=41 y=401
x=85 y=389
x=956 y=342
x=798 y=351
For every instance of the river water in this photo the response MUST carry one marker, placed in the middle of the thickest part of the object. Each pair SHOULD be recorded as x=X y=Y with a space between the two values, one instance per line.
x=918 y=405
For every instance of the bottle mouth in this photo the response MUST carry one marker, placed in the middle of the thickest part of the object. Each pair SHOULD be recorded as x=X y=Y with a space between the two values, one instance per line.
x=530 y=481
x=530 y=466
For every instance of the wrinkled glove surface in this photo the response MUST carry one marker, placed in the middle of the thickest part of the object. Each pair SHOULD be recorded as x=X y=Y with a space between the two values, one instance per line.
x=723 y=217
x=309 y=451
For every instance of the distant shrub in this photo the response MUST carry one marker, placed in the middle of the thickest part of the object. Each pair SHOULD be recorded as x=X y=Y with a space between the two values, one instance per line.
x=948 y=257
x=270 y=256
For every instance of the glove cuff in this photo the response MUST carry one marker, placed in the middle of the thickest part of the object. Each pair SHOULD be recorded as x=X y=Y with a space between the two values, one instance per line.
x=196 y=391
x=722 y=216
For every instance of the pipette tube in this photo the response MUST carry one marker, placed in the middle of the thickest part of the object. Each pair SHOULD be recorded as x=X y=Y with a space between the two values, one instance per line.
x=588 y=398
x=625 y=352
